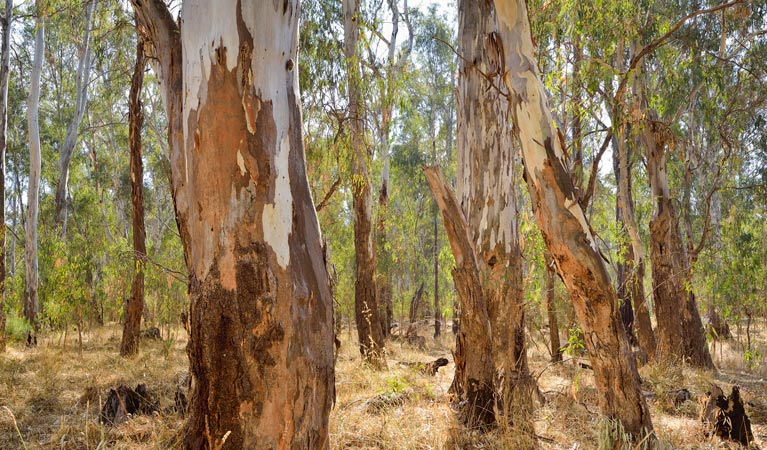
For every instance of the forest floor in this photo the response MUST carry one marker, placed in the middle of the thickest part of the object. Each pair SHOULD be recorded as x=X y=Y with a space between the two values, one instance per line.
x=50 y=398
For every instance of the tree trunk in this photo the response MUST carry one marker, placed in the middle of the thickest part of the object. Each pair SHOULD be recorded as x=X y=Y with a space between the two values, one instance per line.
x=395 y=65
x=487 y=168
x=415 y=303
x=565 y=230
x=70 y=139
x=261 y=345
x=671 y=270
x=31 y=306
x=4 y=69
x=475 y=335
x=549 y=299
x=135 y=306
x=437 y=311
x=365 y=304
x=626 y=251
x=634 y=265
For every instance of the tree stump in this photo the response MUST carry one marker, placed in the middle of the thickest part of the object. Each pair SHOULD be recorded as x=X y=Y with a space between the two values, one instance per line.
x=123 y=402
x=725 y=416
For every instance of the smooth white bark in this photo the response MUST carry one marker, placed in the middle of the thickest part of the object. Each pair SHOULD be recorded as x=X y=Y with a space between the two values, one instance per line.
x=73 y=130
x=31 y=307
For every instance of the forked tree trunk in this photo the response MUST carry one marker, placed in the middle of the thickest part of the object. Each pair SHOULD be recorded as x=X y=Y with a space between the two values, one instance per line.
x=261 y=346
x=31 y=306
x=565 y=230
x=487 y=168
x=365 y=304
x=135 y=306
x=474 y=336
x=549 y=299
x=4 y=70
x=678 y=337
x=70 y=140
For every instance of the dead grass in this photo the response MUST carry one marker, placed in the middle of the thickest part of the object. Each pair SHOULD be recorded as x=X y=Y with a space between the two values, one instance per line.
x=54 y=393
x=50 y=398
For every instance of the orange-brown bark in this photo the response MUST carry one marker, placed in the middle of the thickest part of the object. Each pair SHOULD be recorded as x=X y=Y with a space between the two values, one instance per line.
x=135 y=306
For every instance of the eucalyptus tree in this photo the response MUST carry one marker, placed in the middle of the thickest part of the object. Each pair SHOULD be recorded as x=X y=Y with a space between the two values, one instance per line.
x=247 y=222
x=82 y=80
x=135 y=307
x=31 y=302
x=5 y=67
x=672 y=259
x=565 y=228
x=488 y=168
x=366 y=312
x=436 y=68
x=389 y=79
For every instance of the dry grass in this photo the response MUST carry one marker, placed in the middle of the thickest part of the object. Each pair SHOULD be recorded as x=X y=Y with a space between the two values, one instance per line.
x=50 y=398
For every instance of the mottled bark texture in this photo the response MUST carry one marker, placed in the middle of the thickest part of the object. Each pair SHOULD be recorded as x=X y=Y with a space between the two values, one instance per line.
x=261 y=345
x=133 y=309
x=31 y=306
x=474 y=341
x=365 y=303
x=73 y=130
x=7 y=20
x=487 y=171
x=680 y=329
x=565 y=230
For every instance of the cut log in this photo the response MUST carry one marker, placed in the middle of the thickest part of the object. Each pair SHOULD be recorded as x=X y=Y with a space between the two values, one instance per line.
x=725 y=416
x=124 y=402
x=430 y=368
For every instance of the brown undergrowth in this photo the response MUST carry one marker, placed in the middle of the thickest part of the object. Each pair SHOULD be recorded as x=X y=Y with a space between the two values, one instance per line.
x=50 y=398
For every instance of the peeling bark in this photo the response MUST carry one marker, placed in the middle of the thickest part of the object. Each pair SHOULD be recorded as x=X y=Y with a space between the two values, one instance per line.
x=261 y=345
x=474 y=336
x=31 y=306
x=4 y=70
x=565 y=230
x=671 y=269
x=487 y=166
x=365 y=303
x=135 y=306
x=70 y=140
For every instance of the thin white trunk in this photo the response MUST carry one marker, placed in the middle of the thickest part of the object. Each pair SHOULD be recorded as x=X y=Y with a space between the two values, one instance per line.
x=4 y=69
x=70 y=140
x=31 y=307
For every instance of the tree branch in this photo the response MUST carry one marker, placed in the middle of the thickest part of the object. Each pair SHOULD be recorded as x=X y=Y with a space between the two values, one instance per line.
x=652 y=46
x=591 y=186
